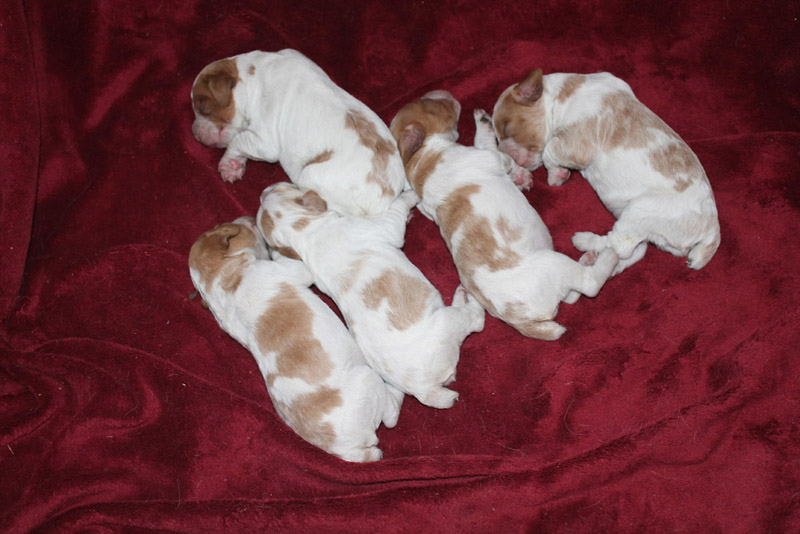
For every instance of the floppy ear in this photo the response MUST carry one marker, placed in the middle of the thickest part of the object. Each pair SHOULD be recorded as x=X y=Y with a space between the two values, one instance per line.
x=312 y=202
x=529 y=90
x=223 y=236
x=411 y=139
x=221 y=87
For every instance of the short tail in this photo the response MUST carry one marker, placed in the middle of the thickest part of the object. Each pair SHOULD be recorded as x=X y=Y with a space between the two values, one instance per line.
x=702 y=252
x=546 y=330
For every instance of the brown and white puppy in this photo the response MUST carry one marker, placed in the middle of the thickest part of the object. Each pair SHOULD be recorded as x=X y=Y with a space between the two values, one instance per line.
x=316 y=376
x=501 y=248
x=396 y=316
x=643 y=172
x=280 y=106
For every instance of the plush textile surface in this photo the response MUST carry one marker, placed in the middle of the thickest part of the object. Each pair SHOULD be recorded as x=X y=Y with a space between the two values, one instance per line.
x=671 y=404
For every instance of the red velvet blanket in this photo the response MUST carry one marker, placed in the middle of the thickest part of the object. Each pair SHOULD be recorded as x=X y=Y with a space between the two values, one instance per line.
x=672 y=403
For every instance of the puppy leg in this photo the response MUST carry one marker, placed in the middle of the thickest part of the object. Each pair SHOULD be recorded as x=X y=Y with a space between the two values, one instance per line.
x=233 y=162
x=484 y=131
x=557 y=160
x=474 y=311
x=393 y=221
x=294 y=270
x=393 y=401
x=441 y=398
x=589 y=258
x=486 y=140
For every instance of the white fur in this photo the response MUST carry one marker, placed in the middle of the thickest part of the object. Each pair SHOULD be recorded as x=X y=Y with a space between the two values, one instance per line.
x=289 y=110
x=366 y=398
x=647 y=205
x=346 y=255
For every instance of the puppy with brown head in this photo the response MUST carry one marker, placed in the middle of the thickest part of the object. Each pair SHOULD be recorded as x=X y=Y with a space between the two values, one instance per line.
x=318 y=380
x=396 y=316
x=643 y=172
x=280 y=106
x=500 y=246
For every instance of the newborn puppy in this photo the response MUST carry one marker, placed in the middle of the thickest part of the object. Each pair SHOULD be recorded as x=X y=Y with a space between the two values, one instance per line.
x=396 y=316
x=317 y=378
x=280 y=106
x=501 y=248
x=643 y=172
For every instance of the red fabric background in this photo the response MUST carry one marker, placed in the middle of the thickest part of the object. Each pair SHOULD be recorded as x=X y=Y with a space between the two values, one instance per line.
x=671 y=404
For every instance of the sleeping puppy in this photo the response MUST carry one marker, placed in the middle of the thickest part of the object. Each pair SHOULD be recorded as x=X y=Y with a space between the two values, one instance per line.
x=280 y=106
x=643 y=172
x=317 y=378
x=396 y=316
x=500 y=246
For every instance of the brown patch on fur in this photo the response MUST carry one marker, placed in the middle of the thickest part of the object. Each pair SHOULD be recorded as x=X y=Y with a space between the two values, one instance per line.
x=677 y=162
x=268 y=227
x=624 y=122
x=381 y=148
x=420 y=167
x=405 y=294
x=218 y=253
x=267 y=224
x=212 y=93
x=251 y=70
x=301 y=223
x=577 y=144
x=305 y=414
x=508 y=232
x=571 y=84
x=322 y=157
x=478 y=246
x=351 y=275
x=289 y=252
x=287 y=328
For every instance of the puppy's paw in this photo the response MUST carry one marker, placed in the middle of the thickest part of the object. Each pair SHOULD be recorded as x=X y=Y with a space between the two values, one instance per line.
x=482 y=119
x=523 y=178
x=588 y=258
x=231 y=169
x=587 y=241
x=439 y=398
x=556 y=176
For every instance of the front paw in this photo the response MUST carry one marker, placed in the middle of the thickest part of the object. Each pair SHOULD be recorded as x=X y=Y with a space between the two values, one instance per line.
x=523 y=178
x=409 y=197
x=556 y=176
x=232 y=169
x=481 y=117
x=587 y=241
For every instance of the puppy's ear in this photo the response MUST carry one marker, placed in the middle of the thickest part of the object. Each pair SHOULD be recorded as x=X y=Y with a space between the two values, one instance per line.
x=221 y=88
x=223 y=235
x=312 y=202
x=411 y=139
x=529 y=90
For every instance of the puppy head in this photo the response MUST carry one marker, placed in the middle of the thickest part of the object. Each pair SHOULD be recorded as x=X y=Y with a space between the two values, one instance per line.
x=214 y=103
x=519 y=121
x=435 y=113
x=224 y=251
x=286 y=210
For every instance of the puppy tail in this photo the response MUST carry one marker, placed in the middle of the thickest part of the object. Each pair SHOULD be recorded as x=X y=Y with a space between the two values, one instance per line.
x=546 y=330
x=438 y=397
x=702 y=252
x=393 y=401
